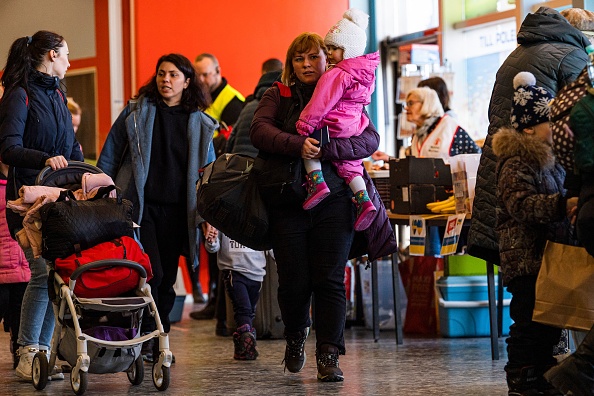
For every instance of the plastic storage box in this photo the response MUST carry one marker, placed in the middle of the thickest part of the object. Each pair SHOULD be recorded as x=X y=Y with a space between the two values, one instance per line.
x=386 y=296
x=465 y=264
x=464 y=307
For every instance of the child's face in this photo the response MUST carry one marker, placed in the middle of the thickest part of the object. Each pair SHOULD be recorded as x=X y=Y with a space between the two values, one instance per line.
x=543 y=132
x=335 y=54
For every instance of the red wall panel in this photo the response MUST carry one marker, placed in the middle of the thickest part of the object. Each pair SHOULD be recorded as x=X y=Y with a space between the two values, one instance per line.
x=241 y=34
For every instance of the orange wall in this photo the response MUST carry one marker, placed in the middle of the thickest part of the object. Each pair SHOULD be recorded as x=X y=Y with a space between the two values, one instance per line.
x=241 y=34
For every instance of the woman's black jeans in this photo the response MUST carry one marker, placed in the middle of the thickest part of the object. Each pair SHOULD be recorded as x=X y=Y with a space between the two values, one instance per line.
x=311 y=249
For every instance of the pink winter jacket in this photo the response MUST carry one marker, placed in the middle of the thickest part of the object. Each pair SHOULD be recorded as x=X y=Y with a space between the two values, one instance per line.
x=14 y=267
x=339 y=98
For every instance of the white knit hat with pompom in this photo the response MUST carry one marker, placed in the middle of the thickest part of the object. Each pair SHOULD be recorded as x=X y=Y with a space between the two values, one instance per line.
x=349 y=33
x=530 y=104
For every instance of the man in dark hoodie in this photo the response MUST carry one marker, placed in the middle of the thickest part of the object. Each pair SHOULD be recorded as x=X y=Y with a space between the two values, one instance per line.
x=554 y=51
x=239 y=140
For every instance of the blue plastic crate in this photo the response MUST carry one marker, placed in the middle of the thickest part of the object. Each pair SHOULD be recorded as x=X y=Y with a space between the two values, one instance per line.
x=465 y=311
x=466 y=288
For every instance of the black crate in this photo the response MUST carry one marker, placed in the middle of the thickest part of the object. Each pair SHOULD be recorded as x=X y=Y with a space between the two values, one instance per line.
x=412 y=170
x=413 y=199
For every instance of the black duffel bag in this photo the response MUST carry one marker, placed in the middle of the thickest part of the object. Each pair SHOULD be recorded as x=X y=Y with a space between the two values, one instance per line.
x=229 y=200
x=280 y=179
x=69 y=226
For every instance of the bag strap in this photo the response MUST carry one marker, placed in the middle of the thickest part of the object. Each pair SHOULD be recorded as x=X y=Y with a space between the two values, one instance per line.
x=66 y=195
x=285 y=105
x=103 y=192
x=286 y=102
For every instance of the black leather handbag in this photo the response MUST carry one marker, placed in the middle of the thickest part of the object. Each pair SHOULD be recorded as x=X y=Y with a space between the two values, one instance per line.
x=69 y=226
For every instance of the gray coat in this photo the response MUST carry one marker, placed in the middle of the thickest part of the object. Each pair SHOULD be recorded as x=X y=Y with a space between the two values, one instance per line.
x=126 y=158
x=552 y=50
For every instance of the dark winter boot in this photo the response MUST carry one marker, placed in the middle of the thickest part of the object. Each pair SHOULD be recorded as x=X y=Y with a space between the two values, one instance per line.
x=327 y=360
x=575 y=374
x=244 y=340
x=295 y=355
x=522 y=381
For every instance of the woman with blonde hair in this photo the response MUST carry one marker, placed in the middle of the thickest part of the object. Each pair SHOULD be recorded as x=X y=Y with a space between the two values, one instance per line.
x=437 y=135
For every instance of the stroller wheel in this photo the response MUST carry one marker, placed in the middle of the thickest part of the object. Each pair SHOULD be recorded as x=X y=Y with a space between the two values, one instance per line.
x=136 y=371
x=40 y=371
x=161 y=377
x=79 y=381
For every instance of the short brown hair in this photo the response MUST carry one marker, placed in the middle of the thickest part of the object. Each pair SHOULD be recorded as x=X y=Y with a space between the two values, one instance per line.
x=302 y=43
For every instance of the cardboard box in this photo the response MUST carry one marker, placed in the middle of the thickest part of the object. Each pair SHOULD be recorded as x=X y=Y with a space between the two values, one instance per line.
x=419 y=54
x=381 y=180
x=464 y=169
x=464 y=307
x=412 y=170
x=413 y=198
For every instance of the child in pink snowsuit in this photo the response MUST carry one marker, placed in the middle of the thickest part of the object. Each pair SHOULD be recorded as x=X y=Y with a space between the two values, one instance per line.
x=338 y=102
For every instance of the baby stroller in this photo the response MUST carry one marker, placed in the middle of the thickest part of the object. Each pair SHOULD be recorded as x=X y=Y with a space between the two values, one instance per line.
x=98 y=335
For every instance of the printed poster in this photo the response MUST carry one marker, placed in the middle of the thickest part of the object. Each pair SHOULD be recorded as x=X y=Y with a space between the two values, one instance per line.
x=452 y=234
x=418 y=232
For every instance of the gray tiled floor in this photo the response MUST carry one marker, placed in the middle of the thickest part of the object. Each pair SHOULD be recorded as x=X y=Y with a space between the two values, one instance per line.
x=421 y=366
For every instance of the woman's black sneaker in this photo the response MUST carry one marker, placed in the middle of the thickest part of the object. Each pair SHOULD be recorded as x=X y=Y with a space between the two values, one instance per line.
x=295 y=351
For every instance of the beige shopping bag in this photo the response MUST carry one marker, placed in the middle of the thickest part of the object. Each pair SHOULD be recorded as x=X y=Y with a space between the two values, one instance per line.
x=565 y=288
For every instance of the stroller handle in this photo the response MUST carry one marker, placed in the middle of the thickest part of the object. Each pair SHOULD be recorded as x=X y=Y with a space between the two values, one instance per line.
x=44 y=175
x=108 y=263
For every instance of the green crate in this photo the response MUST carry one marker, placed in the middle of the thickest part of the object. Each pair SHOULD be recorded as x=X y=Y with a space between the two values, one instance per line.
x=464 y=264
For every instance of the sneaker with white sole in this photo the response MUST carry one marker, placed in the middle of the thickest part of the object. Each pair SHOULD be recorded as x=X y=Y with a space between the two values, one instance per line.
x=57 y=374
x=25 y=367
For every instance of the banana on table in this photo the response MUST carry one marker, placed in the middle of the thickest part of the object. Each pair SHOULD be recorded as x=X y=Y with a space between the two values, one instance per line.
x=445 y=206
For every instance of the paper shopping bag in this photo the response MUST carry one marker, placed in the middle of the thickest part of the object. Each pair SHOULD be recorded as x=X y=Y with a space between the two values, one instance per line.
x=565 y=288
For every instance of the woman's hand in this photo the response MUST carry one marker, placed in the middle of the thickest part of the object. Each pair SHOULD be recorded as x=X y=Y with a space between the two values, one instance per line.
x=309 y=150
x=380 y=155
x=571 y=209
x=57 y=162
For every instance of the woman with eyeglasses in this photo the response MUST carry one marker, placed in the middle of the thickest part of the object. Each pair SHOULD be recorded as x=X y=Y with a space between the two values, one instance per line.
x=437 y=135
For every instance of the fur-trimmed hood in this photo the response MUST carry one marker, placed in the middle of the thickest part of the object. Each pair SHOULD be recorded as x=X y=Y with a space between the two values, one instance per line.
x=508 y=143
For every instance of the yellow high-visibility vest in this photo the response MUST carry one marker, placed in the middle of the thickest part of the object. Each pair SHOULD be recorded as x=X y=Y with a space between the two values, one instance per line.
x=227 y=94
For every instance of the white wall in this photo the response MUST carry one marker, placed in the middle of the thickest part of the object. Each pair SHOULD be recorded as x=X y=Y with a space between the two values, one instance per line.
x=73 y=19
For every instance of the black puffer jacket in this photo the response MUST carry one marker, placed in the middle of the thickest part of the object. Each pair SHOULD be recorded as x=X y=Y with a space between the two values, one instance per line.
x=34 y=126
x=239 y=140
x=552 y=50
x=530 y=202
